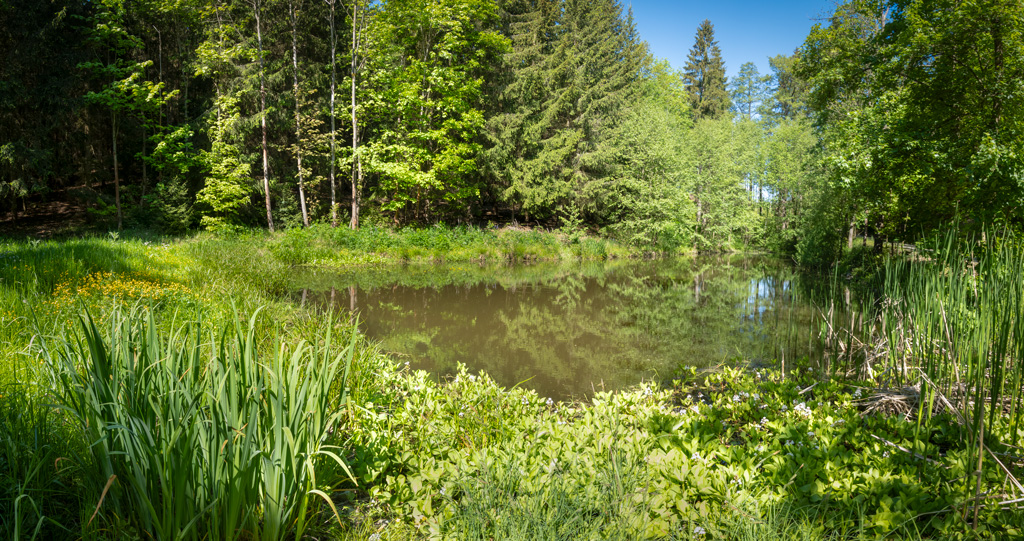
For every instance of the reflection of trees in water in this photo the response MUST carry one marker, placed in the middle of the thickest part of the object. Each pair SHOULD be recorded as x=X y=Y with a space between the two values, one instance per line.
x=580 y=325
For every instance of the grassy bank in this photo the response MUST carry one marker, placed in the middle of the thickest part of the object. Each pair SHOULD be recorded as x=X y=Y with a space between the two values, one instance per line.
x=194 y=401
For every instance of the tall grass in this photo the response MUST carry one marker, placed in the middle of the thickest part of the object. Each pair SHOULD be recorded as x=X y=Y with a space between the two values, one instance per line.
x=34 y=469
x=948 y=321
x=200 y=439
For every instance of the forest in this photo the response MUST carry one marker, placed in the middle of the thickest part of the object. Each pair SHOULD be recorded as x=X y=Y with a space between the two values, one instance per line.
x=892 y=119
x=490 y=269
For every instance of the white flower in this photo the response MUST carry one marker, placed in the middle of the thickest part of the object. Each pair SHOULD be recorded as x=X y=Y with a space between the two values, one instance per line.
x=697 y=530
x=550 y=401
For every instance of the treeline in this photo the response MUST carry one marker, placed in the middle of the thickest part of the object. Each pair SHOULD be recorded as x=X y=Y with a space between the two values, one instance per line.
x=919 y=110
x=892 y=120
x=280 y=113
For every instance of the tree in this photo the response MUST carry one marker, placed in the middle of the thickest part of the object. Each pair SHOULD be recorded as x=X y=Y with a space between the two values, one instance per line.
x=357 y=62
x=331 y=23
x=920 y=108
x=648 y=199
x=257 y=10
x=787 y=91
x=748 y=90
x=426 y=76
x=705 y=76
x=576 y=72
x=123 y=88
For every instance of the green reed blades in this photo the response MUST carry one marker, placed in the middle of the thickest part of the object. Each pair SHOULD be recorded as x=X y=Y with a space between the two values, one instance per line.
x=954 y=314
x=191 y=440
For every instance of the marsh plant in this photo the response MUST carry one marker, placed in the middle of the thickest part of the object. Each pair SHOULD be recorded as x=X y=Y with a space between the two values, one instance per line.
x=943 y=332
x=193 y=437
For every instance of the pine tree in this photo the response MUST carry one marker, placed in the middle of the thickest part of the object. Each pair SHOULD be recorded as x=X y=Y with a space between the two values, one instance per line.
x=577 y=70
x=705 y=75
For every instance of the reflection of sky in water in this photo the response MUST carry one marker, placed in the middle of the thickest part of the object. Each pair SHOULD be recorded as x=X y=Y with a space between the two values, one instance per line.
x=570 y=329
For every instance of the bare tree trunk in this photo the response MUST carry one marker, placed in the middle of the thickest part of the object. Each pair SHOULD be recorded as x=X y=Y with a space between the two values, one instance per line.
x=263 y=114
x=852 y=235
x=298 y=100
x=334 y=131
x=357 y=166
x=117 y=178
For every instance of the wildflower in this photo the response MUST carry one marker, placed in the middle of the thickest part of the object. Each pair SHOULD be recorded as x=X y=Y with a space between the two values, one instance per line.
x=784 y=408
x=697 y=530
x=549 y=401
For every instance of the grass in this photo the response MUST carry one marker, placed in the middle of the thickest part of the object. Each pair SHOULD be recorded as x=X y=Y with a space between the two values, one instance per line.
x=194 y=401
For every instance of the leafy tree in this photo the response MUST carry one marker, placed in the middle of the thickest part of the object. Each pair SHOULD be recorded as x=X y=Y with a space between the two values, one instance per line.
x=716 y=184
x=427 y=62
x=749 y=89
x=123 y=88
x=921 y=110
x=648 y=198
x=787 y=91
x=705 y=75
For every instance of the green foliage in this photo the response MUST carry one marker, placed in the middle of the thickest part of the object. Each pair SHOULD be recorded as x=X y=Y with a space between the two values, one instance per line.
x=426 y=99
x=705 y=76
x=650 y=200
x=161 y=419
x=714 y=173
x=913 y=130
x=749 y=90
x=577 y=68
x=227 y=184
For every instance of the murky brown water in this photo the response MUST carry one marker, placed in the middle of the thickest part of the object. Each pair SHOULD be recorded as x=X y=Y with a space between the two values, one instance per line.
x=567 y=329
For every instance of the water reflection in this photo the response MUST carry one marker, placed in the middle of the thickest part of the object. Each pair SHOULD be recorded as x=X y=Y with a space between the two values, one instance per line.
x=567 y=329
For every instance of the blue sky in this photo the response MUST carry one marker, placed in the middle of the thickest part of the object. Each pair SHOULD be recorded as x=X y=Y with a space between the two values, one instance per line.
x=746 y=31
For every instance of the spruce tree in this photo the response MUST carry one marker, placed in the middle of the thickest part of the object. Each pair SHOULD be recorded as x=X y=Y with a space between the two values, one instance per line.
x=705 y=75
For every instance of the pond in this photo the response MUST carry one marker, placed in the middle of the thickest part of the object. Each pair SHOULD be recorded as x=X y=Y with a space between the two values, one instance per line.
x=569 y=329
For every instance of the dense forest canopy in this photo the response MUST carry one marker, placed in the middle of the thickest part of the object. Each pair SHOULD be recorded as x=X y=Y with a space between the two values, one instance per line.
x=893 y=118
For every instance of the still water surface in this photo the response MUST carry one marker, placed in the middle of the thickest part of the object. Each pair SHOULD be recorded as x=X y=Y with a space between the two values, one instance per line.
x=569 y=329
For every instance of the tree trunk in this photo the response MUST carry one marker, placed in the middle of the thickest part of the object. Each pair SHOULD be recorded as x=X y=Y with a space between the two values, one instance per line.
x=263 y=115
x=298 y=100
x=117 y=178
x=852 y=235
x=357 y=166
x=334 y=131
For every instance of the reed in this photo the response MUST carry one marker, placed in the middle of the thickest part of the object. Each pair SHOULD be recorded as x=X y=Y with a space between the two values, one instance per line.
x=191 y=438
x=947 y=320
